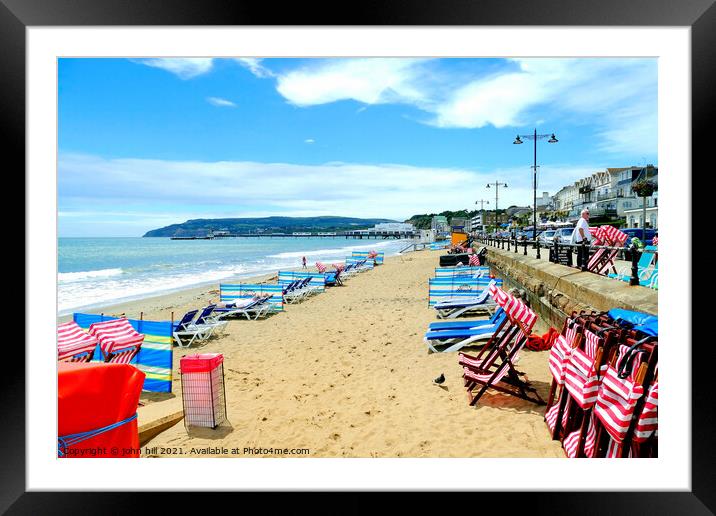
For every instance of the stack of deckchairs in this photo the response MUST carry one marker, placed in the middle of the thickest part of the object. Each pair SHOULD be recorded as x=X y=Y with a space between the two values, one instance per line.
x=603 y=399
x=456 y=291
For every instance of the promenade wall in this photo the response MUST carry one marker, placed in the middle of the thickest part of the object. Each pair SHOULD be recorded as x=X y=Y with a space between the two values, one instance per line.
x=556 y=290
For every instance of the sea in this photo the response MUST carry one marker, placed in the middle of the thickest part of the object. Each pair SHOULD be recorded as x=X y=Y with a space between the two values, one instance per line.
x=97 y=272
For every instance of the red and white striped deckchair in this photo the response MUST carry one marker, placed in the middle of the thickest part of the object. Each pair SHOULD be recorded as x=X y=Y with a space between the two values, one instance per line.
x=74 y=344
x=119 y=342
x=603 y=259
x=581 y=380
x=502 y=376
x=474 y=260
x=338 y=266
x=647 y=425
x=320 y=267
x=614 y=410
x=559 y=356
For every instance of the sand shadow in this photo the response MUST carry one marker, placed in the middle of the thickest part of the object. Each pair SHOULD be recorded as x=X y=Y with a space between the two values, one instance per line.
x=219 y=432
x=500 y=400
x=155 y=397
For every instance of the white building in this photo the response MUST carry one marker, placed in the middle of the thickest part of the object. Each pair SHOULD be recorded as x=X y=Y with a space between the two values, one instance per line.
x=393 y=226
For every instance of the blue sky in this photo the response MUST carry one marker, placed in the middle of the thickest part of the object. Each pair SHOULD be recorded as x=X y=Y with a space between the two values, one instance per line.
x=148 y=142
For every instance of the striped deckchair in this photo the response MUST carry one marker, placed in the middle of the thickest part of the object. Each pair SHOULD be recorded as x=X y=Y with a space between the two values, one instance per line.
x=74 y=344
x=603 y=259
x=581 y=381
x=442 y=272
x=559 y=357
x=619 y=392
x=378 y=258
x=320 y=267
x=474 y=260
x=229 y=293
x=647 y=425
x=119 y=342
x=497 y=371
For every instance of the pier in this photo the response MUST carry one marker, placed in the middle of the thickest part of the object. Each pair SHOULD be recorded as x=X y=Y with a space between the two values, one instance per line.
x=356 y=234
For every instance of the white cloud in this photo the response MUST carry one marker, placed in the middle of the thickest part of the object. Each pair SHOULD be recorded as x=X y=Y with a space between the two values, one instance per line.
x=182 y=67
x=218 y=101
x=145 y=194
x=309 y=140
x=614 y=94
x=255 y=66
x=369 y=80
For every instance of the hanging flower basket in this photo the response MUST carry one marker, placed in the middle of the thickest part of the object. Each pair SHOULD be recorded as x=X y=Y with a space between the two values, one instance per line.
x=644 y=188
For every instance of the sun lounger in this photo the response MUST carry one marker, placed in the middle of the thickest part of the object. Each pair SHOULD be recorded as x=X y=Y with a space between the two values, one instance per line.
x=462 y=305
x=207 y=321
x=74 y=344
x=119 y=342
x=253 y=308
x=448 y=340
x=184 y=335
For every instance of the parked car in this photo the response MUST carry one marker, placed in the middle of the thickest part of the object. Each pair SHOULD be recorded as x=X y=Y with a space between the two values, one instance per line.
x=563 y=235
x=637 y=232
x=546 y=236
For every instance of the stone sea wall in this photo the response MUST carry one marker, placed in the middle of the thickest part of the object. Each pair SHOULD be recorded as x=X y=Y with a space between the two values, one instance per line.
x=555 y=290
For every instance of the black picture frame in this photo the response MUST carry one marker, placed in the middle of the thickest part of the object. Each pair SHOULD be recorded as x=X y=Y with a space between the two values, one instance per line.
x=700 y=15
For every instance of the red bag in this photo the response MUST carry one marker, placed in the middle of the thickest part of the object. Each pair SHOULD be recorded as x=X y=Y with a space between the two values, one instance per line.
x=94 y=396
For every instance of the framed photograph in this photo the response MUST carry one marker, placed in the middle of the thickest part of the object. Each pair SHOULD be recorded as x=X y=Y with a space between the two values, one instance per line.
x=245 y=232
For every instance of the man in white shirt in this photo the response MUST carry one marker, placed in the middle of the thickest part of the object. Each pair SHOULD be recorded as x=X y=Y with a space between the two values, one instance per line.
x=581 y=230
x=581 y=233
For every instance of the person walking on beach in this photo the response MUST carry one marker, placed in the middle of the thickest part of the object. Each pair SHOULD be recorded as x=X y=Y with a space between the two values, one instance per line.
x=304 y=263
x=581 y=234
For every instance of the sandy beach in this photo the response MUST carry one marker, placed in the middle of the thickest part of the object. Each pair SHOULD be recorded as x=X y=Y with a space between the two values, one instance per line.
x=346 y=374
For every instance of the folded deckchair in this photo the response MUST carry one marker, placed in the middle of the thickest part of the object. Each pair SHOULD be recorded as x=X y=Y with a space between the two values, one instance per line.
x=119 y=342
x=456 y=338
x=497 y=370
x=74 y=344
x=603 y=259
x=559 y=356
x=621 y=388
x=582 y=380
x=184 y=335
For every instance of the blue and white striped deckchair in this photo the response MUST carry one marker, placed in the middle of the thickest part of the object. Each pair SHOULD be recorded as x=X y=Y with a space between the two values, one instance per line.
x=452 y=336
x=317 y=283
x=155 y=356
x=364 y=254
x=464 y=280
x=362 y=264
x=233 y=292
x=464 y=292
x=452 y=271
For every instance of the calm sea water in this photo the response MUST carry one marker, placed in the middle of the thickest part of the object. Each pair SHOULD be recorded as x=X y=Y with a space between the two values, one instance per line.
x=95 y=272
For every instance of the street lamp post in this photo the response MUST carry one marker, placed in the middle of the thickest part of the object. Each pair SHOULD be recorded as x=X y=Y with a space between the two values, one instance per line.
x=535 y=137
x=497 y=186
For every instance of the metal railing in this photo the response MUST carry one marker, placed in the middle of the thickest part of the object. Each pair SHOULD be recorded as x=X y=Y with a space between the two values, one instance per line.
x=559 y=252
